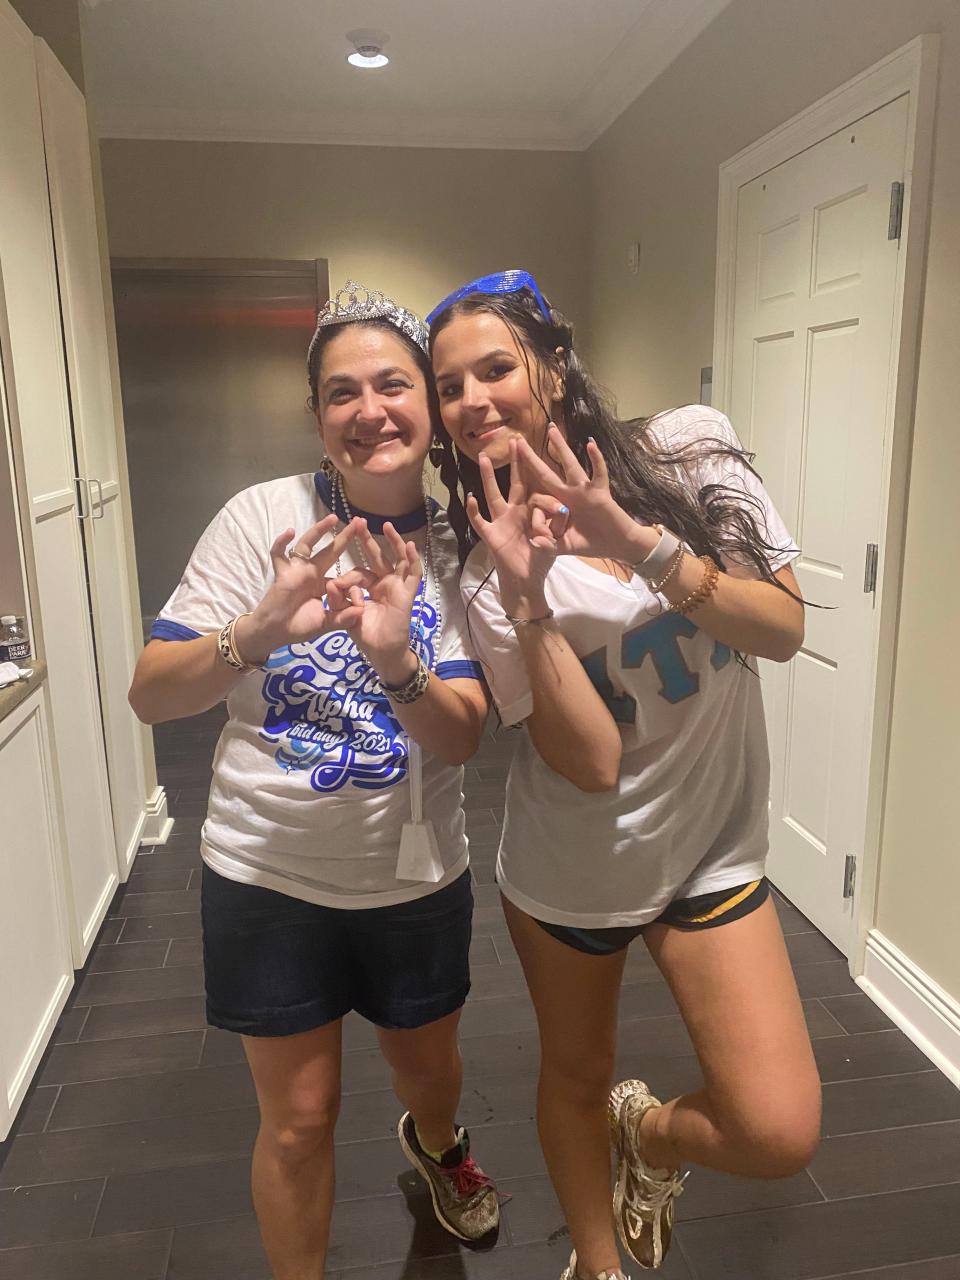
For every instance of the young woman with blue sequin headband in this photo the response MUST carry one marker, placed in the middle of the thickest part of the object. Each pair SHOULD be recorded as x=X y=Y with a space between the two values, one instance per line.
x=335 y=862
x=619 y=577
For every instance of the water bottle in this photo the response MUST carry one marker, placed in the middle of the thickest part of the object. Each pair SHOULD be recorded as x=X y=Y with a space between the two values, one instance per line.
x=14 y=644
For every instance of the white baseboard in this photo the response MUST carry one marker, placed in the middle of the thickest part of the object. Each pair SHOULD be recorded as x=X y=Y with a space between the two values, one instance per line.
x=133 y=845
x=21 y=1082
x=918 y=1005
x=97 y=916
x=157 y=825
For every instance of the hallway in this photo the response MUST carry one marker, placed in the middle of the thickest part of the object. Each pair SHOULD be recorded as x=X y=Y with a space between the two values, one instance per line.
x=130 y=1159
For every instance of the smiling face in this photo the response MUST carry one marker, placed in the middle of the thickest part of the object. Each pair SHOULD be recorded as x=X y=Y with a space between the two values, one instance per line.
x=490 y=388
x=374 y=417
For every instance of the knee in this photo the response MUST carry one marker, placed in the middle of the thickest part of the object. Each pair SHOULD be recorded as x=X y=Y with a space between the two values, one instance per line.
x=302 y=1128
x=582 y=1078
x=429 y=1070
x=780 y=1142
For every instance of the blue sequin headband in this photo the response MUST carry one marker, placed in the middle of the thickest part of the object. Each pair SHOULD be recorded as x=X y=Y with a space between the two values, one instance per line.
x=499 y=282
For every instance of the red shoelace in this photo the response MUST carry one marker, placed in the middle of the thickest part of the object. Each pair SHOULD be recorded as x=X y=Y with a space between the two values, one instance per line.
x=468 y=1177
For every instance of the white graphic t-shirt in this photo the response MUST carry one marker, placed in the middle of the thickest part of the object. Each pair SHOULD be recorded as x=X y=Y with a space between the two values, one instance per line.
x=689 y=814
x=310 y=789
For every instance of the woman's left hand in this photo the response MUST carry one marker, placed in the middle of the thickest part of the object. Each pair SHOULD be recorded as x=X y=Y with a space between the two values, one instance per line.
x=381 y=631
x=582 y=514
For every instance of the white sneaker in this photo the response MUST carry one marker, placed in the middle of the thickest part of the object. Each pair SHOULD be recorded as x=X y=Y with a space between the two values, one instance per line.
x=570 y=1272
x=643 y=1197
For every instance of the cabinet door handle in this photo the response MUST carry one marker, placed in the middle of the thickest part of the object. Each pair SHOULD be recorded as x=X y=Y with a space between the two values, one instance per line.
x=98 y=513
x=83 y=497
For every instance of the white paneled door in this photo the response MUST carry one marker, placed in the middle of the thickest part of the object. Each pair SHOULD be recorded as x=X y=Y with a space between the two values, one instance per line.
x=813 y=330
x=67 y=143
x=36 y=347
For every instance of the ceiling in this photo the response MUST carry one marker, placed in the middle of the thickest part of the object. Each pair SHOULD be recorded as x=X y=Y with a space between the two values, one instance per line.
x=521 y=74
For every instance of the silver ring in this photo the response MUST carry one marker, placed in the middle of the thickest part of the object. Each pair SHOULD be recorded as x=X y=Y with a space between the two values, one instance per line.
x=299 y=555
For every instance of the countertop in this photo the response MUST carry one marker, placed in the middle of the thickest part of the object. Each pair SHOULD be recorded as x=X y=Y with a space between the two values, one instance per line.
x=13 y=694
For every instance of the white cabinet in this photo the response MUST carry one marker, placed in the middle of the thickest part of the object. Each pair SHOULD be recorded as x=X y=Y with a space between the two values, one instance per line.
x=67 y=145
x=60 y=604
x=35 y=959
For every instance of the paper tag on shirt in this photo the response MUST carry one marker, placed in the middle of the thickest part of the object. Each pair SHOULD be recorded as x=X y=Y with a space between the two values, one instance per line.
x=419 y=857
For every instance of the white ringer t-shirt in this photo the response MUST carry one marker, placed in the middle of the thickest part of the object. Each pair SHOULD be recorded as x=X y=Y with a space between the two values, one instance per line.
x=689 y=814
x=310 y=788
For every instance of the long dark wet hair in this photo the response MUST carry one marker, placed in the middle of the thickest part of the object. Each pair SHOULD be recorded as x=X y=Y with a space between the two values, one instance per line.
x=652 y=483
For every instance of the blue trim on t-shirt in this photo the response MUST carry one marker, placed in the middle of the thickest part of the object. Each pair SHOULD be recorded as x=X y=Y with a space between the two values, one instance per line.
x=415 y=519
x=459 y=669
x=164 y=629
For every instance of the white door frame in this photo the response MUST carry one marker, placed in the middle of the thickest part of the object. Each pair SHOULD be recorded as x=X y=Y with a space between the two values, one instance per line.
x=913 y=70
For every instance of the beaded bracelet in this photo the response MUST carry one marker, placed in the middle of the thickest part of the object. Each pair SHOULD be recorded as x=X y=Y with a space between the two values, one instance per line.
x=227 y=646
x=411 y=689
x=708 y=584
x=675 y=564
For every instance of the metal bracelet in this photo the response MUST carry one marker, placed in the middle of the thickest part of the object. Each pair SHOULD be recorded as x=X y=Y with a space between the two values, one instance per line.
x=529 y=622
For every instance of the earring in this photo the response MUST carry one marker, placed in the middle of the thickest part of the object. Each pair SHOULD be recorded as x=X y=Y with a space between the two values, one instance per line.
x=436 y=454
x=327 y=468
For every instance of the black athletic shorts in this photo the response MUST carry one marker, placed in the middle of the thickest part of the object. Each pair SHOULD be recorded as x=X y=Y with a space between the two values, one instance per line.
x=703 y=911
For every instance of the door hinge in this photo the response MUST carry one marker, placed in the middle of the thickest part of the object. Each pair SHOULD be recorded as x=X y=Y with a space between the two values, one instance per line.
x=870 y=567
x=849 y=875
x=895 y=222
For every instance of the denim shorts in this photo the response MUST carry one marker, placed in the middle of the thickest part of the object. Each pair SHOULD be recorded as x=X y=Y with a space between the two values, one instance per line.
x=275 y=966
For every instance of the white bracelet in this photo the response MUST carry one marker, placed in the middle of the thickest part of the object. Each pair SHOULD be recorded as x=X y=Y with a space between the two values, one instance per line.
x=658 y=561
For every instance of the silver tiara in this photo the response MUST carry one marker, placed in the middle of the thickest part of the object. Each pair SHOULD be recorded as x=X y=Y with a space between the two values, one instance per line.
x=354 y=302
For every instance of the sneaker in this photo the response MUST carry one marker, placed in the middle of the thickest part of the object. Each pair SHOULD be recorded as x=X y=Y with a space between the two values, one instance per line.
x=571 y=1272
x=464 y=1198
x=643 y=1197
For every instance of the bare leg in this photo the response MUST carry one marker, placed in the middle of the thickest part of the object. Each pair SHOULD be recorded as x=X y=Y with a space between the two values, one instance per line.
x=427 y=1077
x=575 y=997
x=758 y=1113
x=298 y=1087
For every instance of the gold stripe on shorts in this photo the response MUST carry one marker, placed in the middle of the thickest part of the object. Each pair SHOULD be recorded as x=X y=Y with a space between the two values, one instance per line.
x=725 y=906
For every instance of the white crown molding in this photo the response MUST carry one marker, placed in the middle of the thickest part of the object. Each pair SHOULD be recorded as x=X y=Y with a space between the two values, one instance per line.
x=656 y=40
x=328 y=128
x=662 y=31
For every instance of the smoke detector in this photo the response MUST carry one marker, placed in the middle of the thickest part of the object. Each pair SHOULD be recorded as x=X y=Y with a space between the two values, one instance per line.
x=367 y=48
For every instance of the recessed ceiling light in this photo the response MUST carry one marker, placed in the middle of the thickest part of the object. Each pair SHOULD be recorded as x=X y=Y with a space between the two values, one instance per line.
x=368 y=48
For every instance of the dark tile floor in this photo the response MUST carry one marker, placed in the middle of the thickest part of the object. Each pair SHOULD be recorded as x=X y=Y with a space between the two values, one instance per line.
x=129 y=1160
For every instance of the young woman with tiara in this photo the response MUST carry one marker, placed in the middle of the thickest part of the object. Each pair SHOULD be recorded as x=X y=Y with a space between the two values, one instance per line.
x=324 y=609
x=620 y=578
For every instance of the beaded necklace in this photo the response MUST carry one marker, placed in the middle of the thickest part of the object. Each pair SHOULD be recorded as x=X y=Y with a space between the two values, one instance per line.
x=429 y=581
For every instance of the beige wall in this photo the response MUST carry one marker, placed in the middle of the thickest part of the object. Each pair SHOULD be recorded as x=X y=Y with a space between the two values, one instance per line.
x=653 y=177
x=58 y=21
x=414 y=222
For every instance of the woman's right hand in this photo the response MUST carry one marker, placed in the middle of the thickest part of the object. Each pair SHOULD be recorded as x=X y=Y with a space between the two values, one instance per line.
x=293 y=609
x=518 y=535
